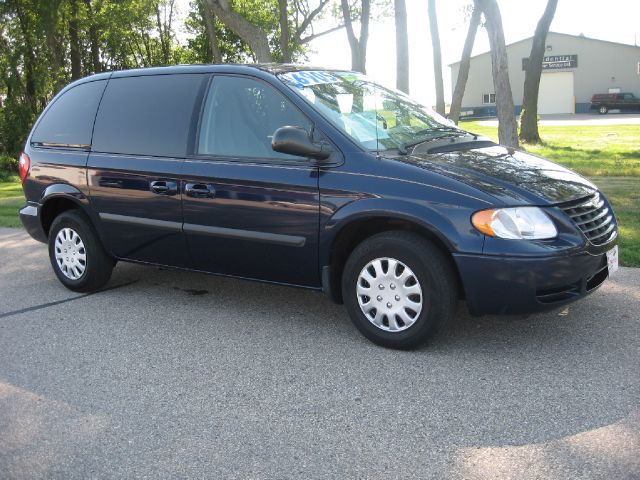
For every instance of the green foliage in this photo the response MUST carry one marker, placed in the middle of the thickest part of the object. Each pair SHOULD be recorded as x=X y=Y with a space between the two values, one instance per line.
x=9 y=212
x=8 y=165
x=42 y=41
x=593 y=150
x=198 y=48
x=36 y=50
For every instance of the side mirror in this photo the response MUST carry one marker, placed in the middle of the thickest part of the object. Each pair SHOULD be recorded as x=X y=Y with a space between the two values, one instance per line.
x=296 y=141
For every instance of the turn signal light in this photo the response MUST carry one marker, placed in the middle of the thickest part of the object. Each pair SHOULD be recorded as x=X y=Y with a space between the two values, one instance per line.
x=24 y=164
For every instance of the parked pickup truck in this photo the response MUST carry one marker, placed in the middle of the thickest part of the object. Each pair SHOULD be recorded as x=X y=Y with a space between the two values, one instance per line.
x=603 y=102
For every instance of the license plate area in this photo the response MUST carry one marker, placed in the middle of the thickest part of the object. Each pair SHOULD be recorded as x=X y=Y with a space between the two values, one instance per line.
x=612 y=260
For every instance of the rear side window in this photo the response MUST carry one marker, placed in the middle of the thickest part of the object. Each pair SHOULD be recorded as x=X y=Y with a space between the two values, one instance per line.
x=148 y=115
x=69 y=120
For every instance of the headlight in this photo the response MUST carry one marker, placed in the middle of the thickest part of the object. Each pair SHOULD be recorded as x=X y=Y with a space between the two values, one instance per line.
x=527 y=223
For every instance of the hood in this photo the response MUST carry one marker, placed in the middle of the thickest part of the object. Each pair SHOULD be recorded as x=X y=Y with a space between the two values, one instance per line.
x=510 y=175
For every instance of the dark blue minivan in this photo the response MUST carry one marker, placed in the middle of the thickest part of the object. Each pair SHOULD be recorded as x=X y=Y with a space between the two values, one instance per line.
x=312 y=178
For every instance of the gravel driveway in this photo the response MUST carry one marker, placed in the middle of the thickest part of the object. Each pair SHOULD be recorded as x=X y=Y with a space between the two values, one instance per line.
x=179 y=375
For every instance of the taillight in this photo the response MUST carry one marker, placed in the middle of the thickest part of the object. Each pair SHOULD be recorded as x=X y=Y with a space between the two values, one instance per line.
x=23 y=166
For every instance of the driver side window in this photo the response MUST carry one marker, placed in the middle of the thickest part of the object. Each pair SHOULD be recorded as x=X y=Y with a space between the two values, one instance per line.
x=240 y=116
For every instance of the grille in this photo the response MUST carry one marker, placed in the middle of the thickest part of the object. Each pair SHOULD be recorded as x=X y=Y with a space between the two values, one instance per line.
x=592 y=217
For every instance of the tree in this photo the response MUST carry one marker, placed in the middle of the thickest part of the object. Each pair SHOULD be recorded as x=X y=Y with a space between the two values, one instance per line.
x=252 y=34
x=285 y=36
x=164 y=22
x=402 y=46
x=529 y=118
x=463 y=69
x=507 y=126
x=437 y=56
x=258 y=22
x=44 y=44
x=211 y=40
x=95 y=64
x=358 y=44
x=210 y=28
x=74 y=42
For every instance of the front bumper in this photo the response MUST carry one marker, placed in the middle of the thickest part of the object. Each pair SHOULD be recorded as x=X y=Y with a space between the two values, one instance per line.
x=30 y=218
x=515 y=285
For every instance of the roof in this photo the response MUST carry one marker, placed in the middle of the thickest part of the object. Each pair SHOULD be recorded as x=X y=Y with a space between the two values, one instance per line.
x=581 y=37
x=258 y=69
x=272 y=68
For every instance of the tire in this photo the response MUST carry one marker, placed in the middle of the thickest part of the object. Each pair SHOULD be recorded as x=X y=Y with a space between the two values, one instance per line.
x=88 y=266
x=413 y=317
x=602 y=109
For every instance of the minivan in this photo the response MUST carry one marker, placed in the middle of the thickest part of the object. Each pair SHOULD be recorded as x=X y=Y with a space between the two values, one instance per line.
x=320 y=179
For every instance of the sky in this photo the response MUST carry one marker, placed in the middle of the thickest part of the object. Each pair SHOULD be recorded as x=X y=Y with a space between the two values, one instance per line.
x=613 y=20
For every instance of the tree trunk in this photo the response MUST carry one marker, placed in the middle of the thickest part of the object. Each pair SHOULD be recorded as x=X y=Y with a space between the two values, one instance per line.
x=93 y=38
x=164 y=31
x=507 y=126
x=210 y=27
x=402 y=46
x=437 y=56
x=53 y=43
x=529 y=118
x=358 y=45
x=29 y=60
x=253 y=35
x=74 y=42
x=463 y=70
x=283 y=20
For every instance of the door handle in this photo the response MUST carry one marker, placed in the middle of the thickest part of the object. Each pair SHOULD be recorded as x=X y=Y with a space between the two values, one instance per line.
x=199 y=190
x=110 y=183
x=162 y=187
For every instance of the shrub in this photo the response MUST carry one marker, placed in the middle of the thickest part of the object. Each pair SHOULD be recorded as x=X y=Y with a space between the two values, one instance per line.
x=8 y=168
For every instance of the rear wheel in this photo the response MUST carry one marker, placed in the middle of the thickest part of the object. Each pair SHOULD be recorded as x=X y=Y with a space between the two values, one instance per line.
x=603 y=109
x=398 y=289
x=77 y=256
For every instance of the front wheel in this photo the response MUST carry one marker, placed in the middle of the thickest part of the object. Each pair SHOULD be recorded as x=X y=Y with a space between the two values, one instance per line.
x=603 y=110
x=399 y=289
x=77 y=256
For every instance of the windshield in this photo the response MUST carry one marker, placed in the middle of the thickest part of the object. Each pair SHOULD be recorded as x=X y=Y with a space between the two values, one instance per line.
x=376 y=117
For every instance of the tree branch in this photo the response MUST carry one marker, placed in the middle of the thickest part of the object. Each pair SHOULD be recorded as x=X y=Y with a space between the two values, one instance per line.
x=313 y=36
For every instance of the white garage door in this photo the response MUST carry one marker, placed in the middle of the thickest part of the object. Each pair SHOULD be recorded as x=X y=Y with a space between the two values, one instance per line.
x=556 y=93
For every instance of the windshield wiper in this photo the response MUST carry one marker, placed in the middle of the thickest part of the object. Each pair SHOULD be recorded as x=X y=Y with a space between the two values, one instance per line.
x=445 y=132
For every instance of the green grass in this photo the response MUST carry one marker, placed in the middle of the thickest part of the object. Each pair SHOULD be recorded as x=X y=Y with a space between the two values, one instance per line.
x=591 y=150
x=11 y=188
x=9 y=207
x=11 y=199
x=624 y=195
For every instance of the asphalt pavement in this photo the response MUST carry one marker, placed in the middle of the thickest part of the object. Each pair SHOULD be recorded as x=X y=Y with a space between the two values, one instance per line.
x=170 y=374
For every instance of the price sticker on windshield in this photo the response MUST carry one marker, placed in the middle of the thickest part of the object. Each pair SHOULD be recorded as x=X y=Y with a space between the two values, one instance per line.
x=306 y=78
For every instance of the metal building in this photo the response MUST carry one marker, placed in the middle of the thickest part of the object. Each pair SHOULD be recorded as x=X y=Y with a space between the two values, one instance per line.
x=574 y=68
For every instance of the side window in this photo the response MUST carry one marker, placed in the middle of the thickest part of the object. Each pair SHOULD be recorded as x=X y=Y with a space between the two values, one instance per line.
x=147 y=115
x=69 y=121
x=240 y=116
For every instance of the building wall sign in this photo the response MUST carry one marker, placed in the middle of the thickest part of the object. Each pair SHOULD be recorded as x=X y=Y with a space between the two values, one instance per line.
x=555 y=62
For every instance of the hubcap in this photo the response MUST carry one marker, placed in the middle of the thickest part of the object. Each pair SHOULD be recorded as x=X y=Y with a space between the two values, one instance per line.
x=389 y=294
x=70 y=253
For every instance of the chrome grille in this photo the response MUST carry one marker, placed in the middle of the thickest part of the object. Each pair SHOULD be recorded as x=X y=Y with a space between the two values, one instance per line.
x=592 y=217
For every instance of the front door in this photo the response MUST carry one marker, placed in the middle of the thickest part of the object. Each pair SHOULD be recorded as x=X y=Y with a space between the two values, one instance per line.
x=250 y=211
